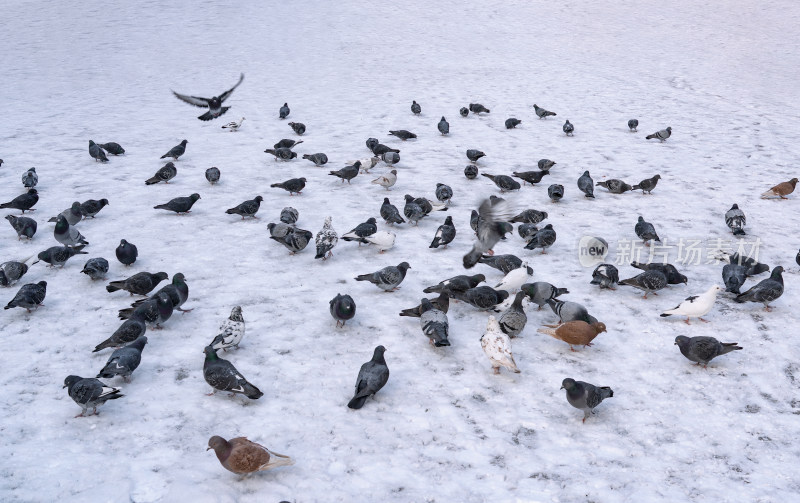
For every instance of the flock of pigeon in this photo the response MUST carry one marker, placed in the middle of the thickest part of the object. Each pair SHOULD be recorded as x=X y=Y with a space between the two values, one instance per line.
x=491 y=222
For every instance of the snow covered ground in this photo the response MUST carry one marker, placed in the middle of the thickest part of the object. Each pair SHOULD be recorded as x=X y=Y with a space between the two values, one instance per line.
x=444 y=428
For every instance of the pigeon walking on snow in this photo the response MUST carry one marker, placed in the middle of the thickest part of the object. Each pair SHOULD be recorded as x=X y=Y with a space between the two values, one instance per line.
x=649 y=281
x=24 y=202
x=242 y=456
x=471 y=172
x=112 y=148
x=586 y=184
x=231 y=331
x=474 y=154
x=574 y=333
x=372 y=376
x=781 y=190
x=555 y=192
x=284 y=111
x=72 y=214
x=442 y=303
x=570 y=311
x=456 y=284
x=348 y=172
x=463 y=111
x=66 y=234
x=695 y=306
x=97 y=153
x=531 y=177
x=326 y=239
x=295 y=240
x=179 y=204
x=661 y=135
x=388 y=278
x=164 y=174
x=282 y=153
x=214 y=105
x=403 y=134
x=605 y=276
x=503 y=263
x=703 y=349
x=95 y=268
x=292 y=186
x=11 y=272
x=585 y=396
x=766 y=290
x=342 y=308
x=388 y=180
x=734 y=276
x=124 y=361
x=443 y=126
x=221 y=375
x=504 y=182
x=735 y=220
x=126 y=253
x=319 y=159
x=24 y=227
x=633 y=124
x=176 y=151
x=415 y=108
x=674 y=277
x=434 y=324
x=130 y=330
x=233 y=126
x=512 y=281
x=445 y=234
x=298 y=127
x=647 y=185
x=568 y=128
x=540 y=292
x=529 y=216
x=477 y=108
x=29 y=296
x=30 y=178
x=615 y=186
x=90 y=393
x=289 y=215
x=646 y=231
x=58 y=255
x=512 y=321
x=511 y=123
x=443 y=193
x=389 y=213
x=91 y=207
x=544 y=239
x=497 y=347
x=541 y=112
x=362 y=230
x=140 y=283
x=482 y=297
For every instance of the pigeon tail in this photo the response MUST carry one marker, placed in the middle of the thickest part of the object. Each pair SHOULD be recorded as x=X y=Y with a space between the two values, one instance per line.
x=357 y=402
x=738 y=232
x=252 y=392
x=727 y=347
x=276 y=460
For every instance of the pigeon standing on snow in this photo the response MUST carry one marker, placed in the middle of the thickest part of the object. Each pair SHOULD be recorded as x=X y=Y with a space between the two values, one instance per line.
x=292 y=186
x=443 y=193
x=179 y=204
x=91 y=207
x=362 y=230
x=442 y=303
x=766 y=290
x=568 y=128
x=289 y=215
x=388 y=278
x=443 y=126
x=29 y=297
x=112 y=148
x=30 y=178
x=298 y=127
x=326 y=239
x=164 y=174
x=477 y=108
x=176 y=151
x=295 y=240
x=512 y=321
x=474 y=154
x=129 y=331
x=734 y=276
x=544 y=239
x=545 y=164
x=585 y=396
x=380 y=149
x=140 y=283
x=24 y=202
x=504 y=182
x=286 y=143
x=387 y=180
x=482 y=297
x=735 y=220
x=126 y=253
x=605 y=276
x=703 y=349
x=463 y=111
x=574 y=333
x=66 y=234
x=497 y=347
x=389 y=213
x=531 y=177
x=348 y=172
x=541 y=112
x=342 y=308
x=645 y=231
x=555 y=192
x=403 y=134
x=491 y=228
x=415 y=108
x=95 y=268
x=284 y=111
x=586 y=184
x=413 y=211
x=11 y=272
x=445 y=234
x=214 y=105
x=647 y=185
x=529 y=216
x=649 y=281
x=781 y=190
x=319 y=159
x=512 y=123
x=58 y=255
x=695 y=306
x=456 y=285
x=372 y=376
x=660 y=135
x=97 y=153
x=233 y=126
x=24 y=226
x=124 y=361
x=633 y=124
x=512 y=281
x=231 y=331
x=471 y=172
x=615 y=186
x=434 y=324
x=570 y=311
x=541 y=291
x=221 y=375
x=241 y=456
x=72 y=214
x=90 y=393
x=212 y=175
x=282 y=153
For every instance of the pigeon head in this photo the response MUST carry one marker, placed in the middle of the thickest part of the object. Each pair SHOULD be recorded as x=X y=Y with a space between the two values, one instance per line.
x=585 y=173
x=103 y=202
x=71 y=380
x=194 y=197
x=776 y=273
x=328 y=221
x=568 y=384
x=160 y=276
x=403 y=266
x=76 y=207
x=221 y=446
x=669 y=129
x=504 y=228
x=91 y=143
x=599 y=327
x=657 y=177
x=478 y=278
x=371 y=220
x=32 y=191
x=236 y=314
x=641 y=219
x=178 y=279
x=502 y=294
x=139 y=343
x=448 y=220
x=377 y=356
x=444 y=118
x=793 y=181
x=409 y=198
x=258 y=199
x=123 y=242
x=681 y=341
x=492 y=325
x=394 y=172
x=184 y=142
x=11 y=218
x=549 y=226
x=211 y=353
x=735 y=207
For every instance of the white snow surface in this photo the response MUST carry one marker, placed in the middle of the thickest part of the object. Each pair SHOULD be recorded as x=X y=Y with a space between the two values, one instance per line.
x=444 y=429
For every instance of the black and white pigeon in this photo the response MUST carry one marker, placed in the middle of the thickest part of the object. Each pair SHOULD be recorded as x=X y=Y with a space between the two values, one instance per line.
x=540 y=292
x=445 y=234
x=492 y=226
x=463 y=111
x=282 y=153
x=141 y=283
x=372 y=376
x=124 y=361
x=24 y=227
x=319 y=159
x=529 y=216
x=503 y=263
x=541 y=112
x=477 y=108
x=474 y=154
x=388 y=278
x=29 y=296
x=130 y=330
x=734 y=276
x=531 y=177
x=58 y=255
x=96 y=268
x=646 y=231
x=586 y=184
x=154 y=310
x=221 y=375
x=284 y=111
x=511 y=123
x=247 y=208
x=11 y=272
x=443 y=126
x=72 y=214
x=97 y=153
x=179 y=204
x=555 y=192
x=164 y=174
x=30 y=178
x=482 y=297
x=24 y=202
x=415 y=108
x=287 y=143
x=504 y=182
x=434 y=323
x=615 y=186
x=570 y=311
x=568 y=128
x=289 y=215
x=412 y=210
x=389 y=213
x=512 y=321
x=661 y=135
x=403 y=134
x=443 y=193
x=471 y=172
x=348 y=172
x=633 y=124
x=295 y=240
x=90 y=393
x=67 y=234
x=585 y=396
x=214 y=105
x=674 y=277
x=442 y=303
x=456 y=285
x=231 y=331
x=126 y=253
x=298 y=127
x=112 y=148
x=703 y=349
x=91 y=207
x=649 y=281
x=647 y=185
x=176 y=151
x=605 y=276
x=342 y=308
x=766 y=290
x=544 y=239
x=735 y=220
x=497 y=347
x=361 y=231
x=326 y=239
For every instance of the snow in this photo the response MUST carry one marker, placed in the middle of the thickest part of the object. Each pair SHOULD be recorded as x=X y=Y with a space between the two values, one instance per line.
x=444 y=428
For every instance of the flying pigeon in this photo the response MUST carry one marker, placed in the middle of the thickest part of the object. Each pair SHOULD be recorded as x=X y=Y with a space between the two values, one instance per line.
x=24 y=227
x=242 y=456
x=544 y=239
x=179 y=204
x=585 y=396
x=298 y=127
x=512 y=281
x=443 y=126
x=633 y=124
x=124 y=361
x=284 y=111
x=570 y=311
x=555 y=192
x=781 y=190
x=615 y=186
x=540 y=292
x=504 y=182
x=289 y=215
x=97 y=153
x=735 y=220
x=541 y=112
x=649 y=281
x=90 y=393
x=24 y=202
x=176 y=151
x=647 y=185
x=233 y=126
x=126 y=253
x=766 y=290
x=112 y=148
x=471 y=172
x=140 y=283
x=477 y=108
x=568 y=128
x=660 y=135
x=342 y=308
x=703 y=349
x=503 y=263
x=434 y=324
x=605 y=276
x=293 y=185
x=695 y=306
x=295 y=240
x=221 y=375
x=443 y=193
x=29 y=296
x=388 y=278
x=318 y=159
x=214 y=105
x=586 y=184
x=372 y=376
x=491 y=228
x=497 y=347
x=348 y=172
x=442 y=303
x=282 y=153
x=464 y=111
x=645 y=231
x=72 y=214
x=531 y=177
x=58 y=255
x=387 y=180
x=231 y=331
x=164 y=174
x=445 y=234
x=91 y=207
x=512 y=123
x=66 y=234
x=30 y=178
x=11 y=272
x=130 y=330
x=473 y=155
x=95 y=268
x=482 y=297
x=326 y=239
x=574 y=333
x=512 y=321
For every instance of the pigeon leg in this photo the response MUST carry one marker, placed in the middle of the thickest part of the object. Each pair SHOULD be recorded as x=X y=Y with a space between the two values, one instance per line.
x=687 y=321
x=490 y=253
x=571 y=348
x=80 y=415
x=704 y=321
x=185 y=310
x=212 y=393
x=645 y=295
x=496 y=370
x=767 y=309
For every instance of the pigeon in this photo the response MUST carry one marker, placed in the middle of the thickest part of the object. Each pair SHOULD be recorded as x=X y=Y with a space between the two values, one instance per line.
x=126 y=253
x=176 y=151
x=279 y=230
x=754 y=268
x=221 y=375
x=298 y=127
x=124 y=361
x=381 y=149
x=735 y=220
x=734 y=276
x=233 y=126
x=140 y=283
x=645 y=231
x=30 y=178
x=568 y=128
x=647 y=185
x=456 y=285
x=389 y=213
x=541 y=291
x=29 y=296
x=390 y=158
x=372 y=376
x=97 y=153
x=348 y=172
x=293 y=185
x=703 y=349
x=555 y=192
x=284 y=111
x=91 y=207
x=660 y=135
x=512 y=281
x=231 y=331
x=574 y=333
x=585 y=396
x=342 y=308
x=95 y=268
x=130 y=330
x=531 y=177
x=443 y=126
x=527 y=231
x=442 y=303
x=90 y=393
x=491 y=228
x=633 y=124
x=403 y=134
x=766 y=290
x=362 y=230
x=296 y=240
x=464 y=111
x=413 y=211
x=695 y=306
x=214 y=105
x=542 y=113
x=544 y=239
x=367 y=163
x=242 y=456
x=445 y=234
x=326 y=239
x=512 y=321
x=797 y=258
x=318 y=159
x=177 y=292
x=443 y=193
x=282 y=153
x=11 y=272
x=605 y=276
x=24 y=202
x=112 y=148
x=287 y=143
x=504 y=182
x=512 y=123
x=477 y=108
x=497 y=347
x=179 y=204
x=545 y=164
x=473 y=155
x=781 y=190
x=415 y=108
x=615 y=186
x=482 y=297
x=649 y=281
x=570 y=311
x=387 y=180
x=503 y=263
x=164 y=174
x=372 y=143
x=670 y=271
x=586 y=184
x=382 y=239
x=471 y=172
x=388 y=278
x=58 y=255
x=529 y=216
x=73 y=214
x=66 y=234
x=25 y=227
x=434 y=323
x=289 y=215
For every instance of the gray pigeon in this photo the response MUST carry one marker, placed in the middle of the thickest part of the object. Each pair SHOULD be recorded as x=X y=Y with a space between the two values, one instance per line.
x=445 y=234
x=154 y=310
x=96 y=268
x=545 y=164
x=97 y=153
x=284 y=154
x=734 y=276
x=647 y=185
x=326 y=239
x=529 y=216
x=474 y=154
x=372 y=376
x=443 y=126
x=130 y=330
x=389 y=213
x=633 y=124
x=615 y=186
x=24 y=202
x=646 y=231
x=492 y=226
x=570 y=311
x=660 y=135
x=318 y=159
x=126 y=253
x=112 y=148
x=527 y=231
x=388 y=278
x=25 y=227
x=456 y=285
x=73 y=214
x=30 y=178
x=415 y=108
x=511 y=123
x=91 y=207
x=176 y=151
x=471 y=172
x=177 y=292
x=443 y=193
x=503 y=263
x=58 y=255
x=30 y=296
x=463 y=111
x=279 y=230
x=284 y=111
x=649 y=281
x=222 y=375
x=568 y=128
x=605 y=276
x=11 y=272
x=179 y=204
x=287 y=143
x=703 y=349
x=214 y=105
x=555 y=192
x=512 y=321
x=380 y=149
x=544 y=238
x=674 y=277
x=413 y=211
x=68 y=235
x=586 y=184
x=585 y=396
x=442 y=303
x=540 y=292
x=298 y=127
x=248 y=208
x=434 y=324
x=403 y=134
x=477 y=108
x=164 y=174
x=289 y=215
x=342 y=308
x=531 y=177
x=390 y=158
x=124 y=361
x=766 y=290
x=482 y=297
x=504 y=182
x=362 y=230
x=295 y=240
x=541 y=112
x=140 y=283
x=754 y=268
x=735 y=220
x=231 y=331
x=348 y=172
x=90 y=393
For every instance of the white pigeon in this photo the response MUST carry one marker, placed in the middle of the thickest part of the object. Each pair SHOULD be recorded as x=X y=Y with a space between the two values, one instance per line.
x=231 y=331
x=234 y=126
x=695 y=306
x=326 y=239
x=515 y=278
x=387 y=180
x=497 y=347
x=382 y=239
x=366 y=164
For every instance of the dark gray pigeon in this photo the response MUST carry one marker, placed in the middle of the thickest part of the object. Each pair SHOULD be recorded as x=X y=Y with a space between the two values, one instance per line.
x=58 y=255
x=568 y=128
x=474 y=154
x=214 y=105
x=124 y=361
x=442 y=303
x=372 y=143
x=471 y=172
x=703 y=349
x=25 y=227
x=287 y=143
x=544 y=238
x=91 y=207
x=413 y=211
x=140 y=283
x=388 y=278
x=30 y=178
x=503 y=263
x=674 y=277
x=24 y=202
x=403 y=134
x=529 y=216
x=389 y=213
x=735 y=220
x=380 y=149
x=342 y=308
x=95 y=268
x=415 y=108
x=348 y=172
x=318 y=159
x=443 y=193
x=29 y=296
x=298 y=127
x=647 y=185
x=179 y=204
x=482 y=297
x=222 y=375
x=513 y=320
x=661 y=135
x=126 y=253
x=90 y=393
x=766 y=290
x=434 y=324
x=649 y=281
x=248 y=208
x=527 y=231
x=112 y=148
x=754 y=268
x=605 y=276
x=155 y=310
x=541 y=112
x=477 y=108
x=586 y=184
x=176 y=151
x=11 y=272
x=555 y=192
x=279 y=230
x=372 y=376
x=633 y=124
x=97 y=153
x=492 y=226
x=164 y=174
x=295 y=240
x=130 y=330
x=390 y=158
x=570 y=311
x=361 y=231
x=456 y=285
x=545 y=164
x=540 y=292
x=289 y=215
x=73 y=214
x=284 y=111
x=445 y=234
x=585 y=396
x=512 y=123
x=646 y=231
x=68 y=235
x=443 y=126
x=615 y=186
x=734 y=276
x=531 y=177
x=504 y=182
x=283 y=153
x=463 y=111
x=177 y=292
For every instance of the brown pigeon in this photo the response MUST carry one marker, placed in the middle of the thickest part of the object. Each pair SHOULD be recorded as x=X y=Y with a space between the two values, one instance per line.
x=242 y=456
x=781 y=190
x=574 y=333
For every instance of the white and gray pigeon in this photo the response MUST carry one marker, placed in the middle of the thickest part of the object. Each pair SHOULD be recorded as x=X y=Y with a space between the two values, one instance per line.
x=68 y=235
x=30 y=178
x=214 y=105
x=384 y=240
x=361 y=231
x=512 y=321
x=703 y=349
x=97 y=153
x=388 y=278
x=326 y=240
x=24 y=227
x=545 y=164
x=766 y=290
x=541 y=112
x=164 y=174
x=570 y=311
x=387 y=180
x=342 y=309
x=491 y=226
x=390 y=214
x=586 y=184
x=90 y=393
x=443 y=126
x=434 y=324
x=445 y=234
x=289 y=215
x=540 y=292
x=231 y=331
x=221 y=375
x=233 y=126
x=649 y=281
x=280 y=229
x=646 y=231
x=515 y=278
x=661 y=135
x=735 y=220
x=463 y=111
x=58 y=255
x=695 y=306
x=372 y=376
x=568 y=128
x=29 y=296
x=96 y=268
x=390 y=158
x=73 y=214
x=585 y=396
x=11 y=272
x=176 y=151
x=605 y=276
x=124 y=361
x=497 y=347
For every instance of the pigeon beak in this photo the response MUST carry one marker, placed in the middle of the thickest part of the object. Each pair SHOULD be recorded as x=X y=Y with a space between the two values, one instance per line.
x=64 y=386
x=562 y=387
x=675 y=344
x=208 y=449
